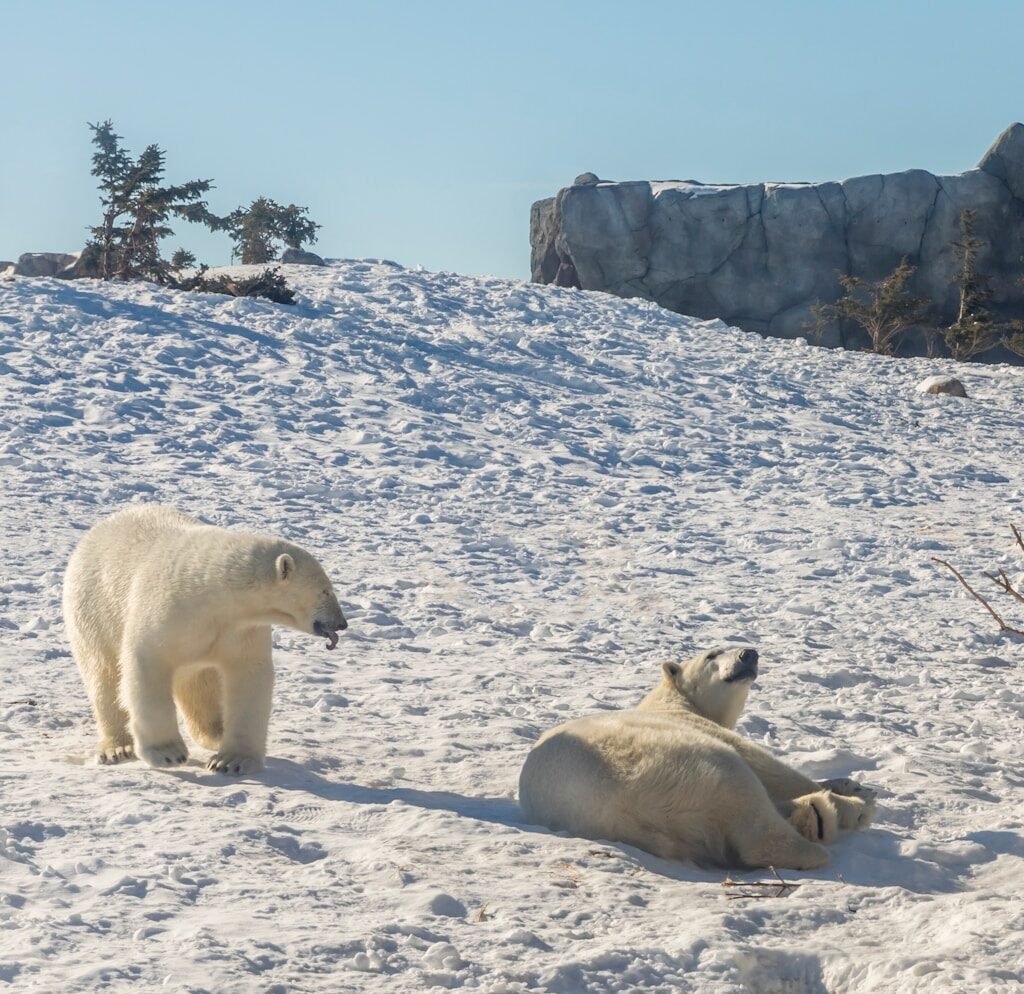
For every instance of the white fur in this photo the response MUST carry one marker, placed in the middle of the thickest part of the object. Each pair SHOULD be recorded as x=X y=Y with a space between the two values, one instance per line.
x=671 y=777
x=161 y=608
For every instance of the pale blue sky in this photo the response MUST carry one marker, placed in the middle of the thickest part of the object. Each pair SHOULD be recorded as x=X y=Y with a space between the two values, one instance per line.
x=422 y=132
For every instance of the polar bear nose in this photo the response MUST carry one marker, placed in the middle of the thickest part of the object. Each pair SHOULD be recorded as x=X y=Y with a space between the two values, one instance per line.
x=744 y=667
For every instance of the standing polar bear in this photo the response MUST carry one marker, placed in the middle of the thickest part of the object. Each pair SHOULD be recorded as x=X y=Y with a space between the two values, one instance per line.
x=671 y=777
x=160 y=607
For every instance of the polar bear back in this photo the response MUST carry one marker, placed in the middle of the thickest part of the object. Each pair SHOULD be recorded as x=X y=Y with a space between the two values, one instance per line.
x=619 y=775
x=146 y=566
x=109 y=562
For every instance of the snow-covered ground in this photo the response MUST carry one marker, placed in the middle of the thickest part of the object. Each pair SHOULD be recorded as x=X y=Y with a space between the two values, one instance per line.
x=528 y=498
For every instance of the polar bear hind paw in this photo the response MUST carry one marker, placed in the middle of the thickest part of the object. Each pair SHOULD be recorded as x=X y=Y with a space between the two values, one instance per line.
x=815 y=817
x=111 y=753
x=234 y=764
x=167 y=754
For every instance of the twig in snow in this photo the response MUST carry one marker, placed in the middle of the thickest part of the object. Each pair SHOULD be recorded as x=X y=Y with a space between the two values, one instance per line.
x=1002 y=581
x=1017 y=535
x=1003 y=626
x=782 y=888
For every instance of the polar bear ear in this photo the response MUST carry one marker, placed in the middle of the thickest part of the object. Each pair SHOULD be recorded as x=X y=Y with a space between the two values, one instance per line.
x=671 y=670
x=284 y=566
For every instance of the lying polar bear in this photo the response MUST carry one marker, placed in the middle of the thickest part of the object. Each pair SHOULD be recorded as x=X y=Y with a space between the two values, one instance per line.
x=671 y=777
x=161 y=608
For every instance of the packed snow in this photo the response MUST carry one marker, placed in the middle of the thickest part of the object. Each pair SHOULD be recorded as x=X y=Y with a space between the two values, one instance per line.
x=528 y=499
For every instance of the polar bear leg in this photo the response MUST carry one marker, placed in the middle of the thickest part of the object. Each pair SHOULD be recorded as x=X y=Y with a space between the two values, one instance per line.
x=199 y=698
x=248 y=685
x=768 y=839
x=146 y=691
x=781 y=781
x=99 y=674
x=114 y=743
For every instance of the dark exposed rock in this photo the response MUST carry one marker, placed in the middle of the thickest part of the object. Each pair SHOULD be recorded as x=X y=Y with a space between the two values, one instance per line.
x=299 y=257
x=44 y=263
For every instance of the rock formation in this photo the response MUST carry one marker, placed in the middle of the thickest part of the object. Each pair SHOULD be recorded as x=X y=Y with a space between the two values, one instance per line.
x=942 y=384
x=761 y=256
x=46 y=264
x=301 y=257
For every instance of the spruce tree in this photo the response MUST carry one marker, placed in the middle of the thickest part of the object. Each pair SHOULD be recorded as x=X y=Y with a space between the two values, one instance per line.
x=111 y=163
x=883 y=309
x=252 y=229
x=183 y=259
x=136 y=208
x=296 y=227
x=1014 y=339
x=258 y=228
x=974 y=330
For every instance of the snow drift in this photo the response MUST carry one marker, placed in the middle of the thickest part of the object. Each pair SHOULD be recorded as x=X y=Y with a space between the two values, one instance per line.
x=528 y=498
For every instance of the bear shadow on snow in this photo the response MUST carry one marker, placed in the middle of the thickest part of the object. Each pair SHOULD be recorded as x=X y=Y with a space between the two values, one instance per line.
x=867 y=860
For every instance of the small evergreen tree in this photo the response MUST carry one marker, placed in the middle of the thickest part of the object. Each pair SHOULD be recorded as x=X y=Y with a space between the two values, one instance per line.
x=974 y=331
x=258 y=228
x=111 y=163
x=183 y=259
x=883 y=309
x=296 y=227
x=1014 y=339
x=136 y=208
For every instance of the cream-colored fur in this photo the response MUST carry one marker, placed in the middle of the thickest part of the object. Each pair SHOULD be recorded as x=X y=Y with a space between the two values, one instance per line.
x=161 y=608
x=672 y=777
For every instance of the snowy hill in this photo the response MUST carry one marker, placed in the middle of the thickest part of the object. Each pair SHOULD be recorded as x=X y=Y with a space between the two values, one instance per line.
x=528 y=498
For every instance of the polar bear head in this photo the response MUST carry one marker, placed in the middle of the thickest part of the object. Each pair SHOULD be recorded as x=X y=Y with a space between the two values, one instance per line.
x=714 y=684
x=303 y=597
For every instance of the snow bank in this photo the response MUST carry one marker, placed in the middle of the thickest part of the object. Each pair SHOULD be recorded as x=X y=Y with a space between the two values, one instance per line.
x=528 y=498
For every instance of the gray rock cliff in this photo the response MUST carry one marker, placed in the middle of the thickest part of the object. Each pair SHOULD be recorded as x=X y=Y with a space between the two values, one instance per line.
x=761 y=256
x=45 y=263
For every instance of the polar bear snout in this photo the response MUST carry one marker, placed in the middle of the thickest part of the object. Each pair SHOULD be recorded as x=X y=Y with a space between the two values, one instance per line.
x=329 y=630
x=744 y=666
x=329 y=620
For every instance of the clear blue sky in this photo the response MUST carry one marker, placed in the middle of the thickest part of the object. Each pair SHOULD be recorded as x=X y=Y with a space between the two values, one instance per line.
x=422 y=132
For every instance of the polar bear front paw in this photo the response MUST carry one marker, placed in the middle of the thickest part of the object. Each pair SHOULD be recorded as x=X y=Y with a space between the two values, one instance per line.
x=111 y=753
x=167 y=754
x=233 y=763
x=854 y=812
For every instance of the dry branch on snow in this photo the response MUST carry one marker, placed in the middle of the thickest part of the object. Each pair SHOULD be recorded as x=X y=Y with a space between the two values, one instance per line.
x=1000 y=579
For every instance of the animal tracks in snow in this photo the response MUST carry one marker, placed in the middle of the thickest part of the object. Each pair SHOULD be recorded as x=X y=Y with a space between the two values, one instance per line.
x=529 y=498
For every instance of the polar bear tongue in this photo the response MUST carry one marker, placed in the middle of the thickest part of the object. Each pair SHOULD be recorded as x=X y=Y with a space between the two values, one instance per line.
x=332 y=639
